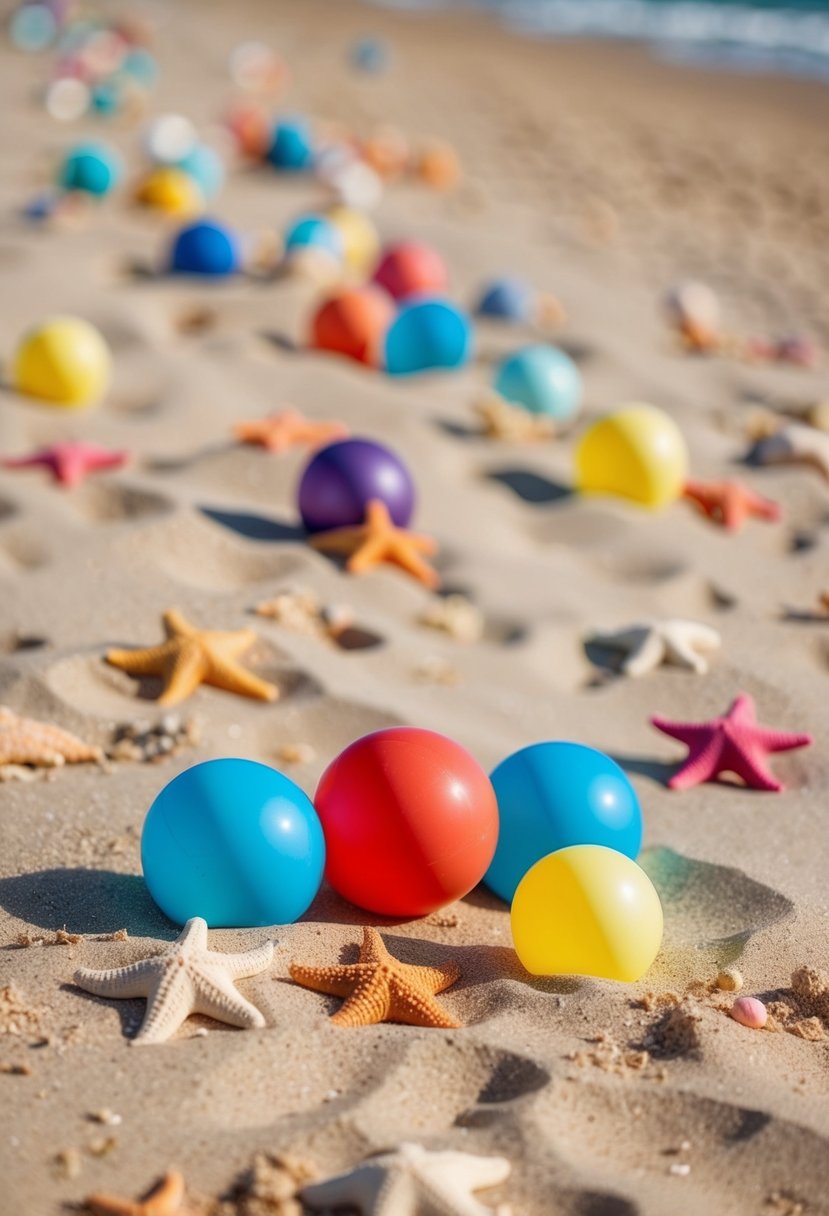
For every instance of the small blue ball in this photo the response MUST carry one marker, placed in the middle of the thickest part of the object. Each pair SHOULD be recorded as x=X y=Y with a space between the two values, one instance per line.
x=141 y=65
x=207 y=248
x=507 y=300
x=292 y=145
x=235 y=842
x=370 y=55
x=542 y=379
x=427 y=334
x=552 y=795
x=107 y=96
x=206 y=168
x=32 y=27
x=315 y=230
x=90 y=167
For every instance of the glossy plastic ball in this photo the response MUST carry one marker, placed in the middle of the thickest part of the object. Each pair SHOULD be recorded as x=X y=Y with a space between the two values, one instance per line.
x=314 y=232
x=206 y=168
x=292 y=145
x=427 y=335
x=541 y=379
x=250 y=127
x=32 y=27
x=361 y=243
x=63 y=361
x=411 y=268
x=506 y=300
x=353 y=323
x=235 y=842
x=91 y=168
x=170 y=191
x=587 y=910
x=410 y=821
x=341 y=479
x=638 y=453
x=206 y=248
x=552 y=795
x=168 y=138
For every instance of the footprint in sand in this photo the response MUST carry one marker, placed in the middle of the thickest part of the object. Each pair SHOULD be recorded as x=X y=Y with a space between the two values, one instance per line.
x=112 y=502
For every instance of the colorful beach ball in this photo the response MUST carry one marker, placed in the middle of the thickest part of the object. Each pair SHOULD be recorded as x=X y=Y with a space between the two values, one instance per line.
x=206 y=168
x=361 y=244
x=342 y=478
x=427 y=335
x=410 y=821
x=292 y=145
x=555 y=794
x=587 y=910
x=637 y=452
x=411 y=268
x=235 y=842
x=92 y=168
x=506 y=299
x=314 y=232
x=63 y=361
x=170 y=191
x=206 y=248
x=542 y=379
x=353 y=323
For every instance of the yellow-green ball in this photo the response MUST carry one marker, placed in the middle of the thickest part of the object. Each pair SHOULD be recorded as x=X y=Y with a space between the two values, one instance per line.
x=637 y=452
x=361 y=244
x=64 y=361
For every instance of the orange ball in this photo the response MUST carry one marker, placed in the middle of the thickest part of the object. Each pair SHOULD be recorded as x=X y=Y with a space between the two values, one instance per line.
x=250 y=127
x=352 y=323
x=438 y=166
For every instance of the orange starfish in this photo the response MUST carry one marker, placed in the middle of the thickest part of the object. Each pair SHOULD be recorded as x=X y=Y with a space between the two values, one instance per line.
x=164 y=1200
x=379 y=988
x=379 y=540
x=730 y=503
x=288 y=429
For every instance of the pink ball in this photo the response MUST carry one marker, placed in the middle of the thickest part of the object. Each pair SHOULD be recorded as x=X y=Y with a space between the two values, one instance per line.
x=748 y=1011
x=410 y=268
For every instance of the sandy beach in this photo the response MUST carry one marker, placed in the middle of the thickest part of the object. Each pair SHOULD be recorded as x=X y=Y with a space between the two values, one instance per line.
x=602 y=176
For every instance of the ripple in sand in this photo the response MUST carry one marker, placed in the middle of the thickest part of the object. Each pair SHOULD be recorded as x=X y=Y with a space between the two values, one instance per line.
x=105 y=502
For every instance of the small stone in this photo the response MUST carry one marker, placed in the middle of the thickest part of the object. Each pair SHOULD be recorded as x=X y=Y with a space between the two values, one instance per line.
x=750 y=1012
x=679 y=1169
x=69 y=1161
x=730 y=980
x=296 y=753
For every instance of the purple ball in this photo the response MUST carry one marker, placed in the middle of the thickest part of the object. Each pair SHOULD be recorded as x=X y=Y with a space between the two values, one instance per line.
x=342 y=478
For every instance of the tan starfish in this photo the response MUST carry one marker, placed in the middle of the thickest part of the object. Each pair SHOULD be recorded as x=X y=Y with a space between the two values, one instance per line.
x=191 y=657
x=186 y=978
x=379 y=988
x=288 y=429
x=163 y=1200
x=512 y=423
x=25 y=741
x=379 y=540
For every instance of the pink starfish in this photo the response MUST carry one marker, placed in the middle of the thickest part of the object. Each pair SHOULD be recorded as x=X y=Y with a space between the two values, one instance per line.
x=733 y=743
x=69 y=462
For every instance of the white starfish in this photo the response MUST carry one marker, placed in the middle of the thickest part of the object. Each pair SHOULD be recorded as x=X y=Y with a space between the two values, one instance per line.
x=187 y=978
x=647 y=646
x=409 y=1181
x=795 y=444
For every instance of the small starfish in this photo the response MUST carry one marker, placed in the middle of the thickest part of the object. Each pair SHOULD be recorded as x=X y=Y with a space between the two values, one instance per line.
x=187 y=978
x=648 y=645
x=165 y=1199
x=795 y=443
x=191 y=657
x=379 y=540
x=379 y=988
x=288 y=429
x=733 y=743
x=69 y=462
x=512 y=423
x=25 y=741
x=409 y=1180
x=729 y=503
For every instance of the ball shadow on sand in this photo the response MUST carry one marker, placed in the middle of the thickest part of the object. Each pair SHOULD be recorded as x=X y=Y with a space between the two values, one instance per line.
x=85 y=901
x=531 y=487
x=254 y=527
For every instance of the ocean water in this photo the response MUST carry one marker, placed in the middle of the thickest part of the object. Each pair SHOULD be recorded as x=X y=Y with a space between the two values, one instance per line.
x=752 y=35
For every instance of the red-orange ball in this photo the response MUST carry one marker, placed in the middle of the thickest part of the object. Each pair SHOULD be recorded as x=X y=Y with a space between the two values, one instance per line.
x=411 y=268
x=251 y=127
x=353 y=322
x=410 y=821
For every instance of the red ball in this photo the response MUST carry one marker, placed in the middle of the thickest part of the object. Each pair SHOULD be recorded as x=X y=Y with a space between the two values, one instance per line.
x=353 y=323
x=410 y=821
x=409 y=269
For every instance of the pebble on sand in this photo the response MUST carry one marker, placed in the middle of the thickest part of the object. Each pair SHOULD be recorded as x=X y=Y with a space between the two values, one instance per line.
x=749 y=1011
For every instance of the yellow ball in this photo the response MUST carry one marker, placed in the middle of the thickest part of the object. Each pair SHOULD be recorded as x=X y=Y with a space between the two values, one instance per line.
x=360 y=240
x=587 y=910
x=636 y=452
x=64 y=361
x=171 y=191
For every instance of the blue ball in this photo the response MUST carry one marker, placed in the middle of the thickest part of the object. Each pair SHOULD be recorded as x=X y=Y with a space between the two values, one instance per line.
x=292 y=146
x=207 y=248
x=552 y=795
x=107 y=96
x=206 y=168
x=315 y=231
x=141 y=65
x=235 y=842
x=506 y=299
x=427 y=334
x=542 y=379
x=32 y=27
x=369 y=54
x=90 y=167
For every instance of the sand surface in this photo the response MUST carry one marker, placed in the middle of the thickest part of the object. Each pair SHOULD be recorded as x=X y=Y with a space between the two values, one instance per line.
x=602 y=176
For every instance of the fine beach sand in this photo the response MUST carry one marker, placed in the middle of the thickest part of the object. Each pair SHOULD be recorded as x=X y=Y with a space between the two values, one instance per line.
x=602 y=176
